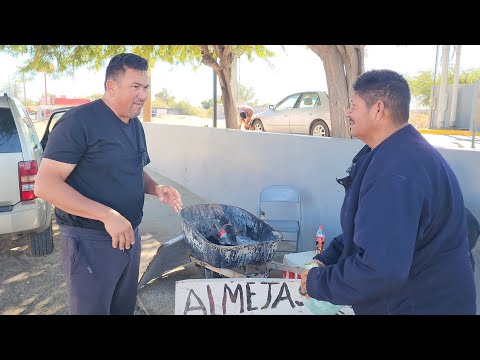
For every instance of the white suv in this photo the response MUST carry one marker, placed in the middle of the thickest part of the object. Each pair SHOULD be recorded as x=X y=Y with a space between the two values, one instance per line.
x=20 y=156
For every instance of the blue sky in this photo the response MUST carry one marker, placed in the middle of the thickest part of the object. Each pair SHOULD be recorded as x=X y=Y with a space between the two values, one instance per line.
x=294 y=69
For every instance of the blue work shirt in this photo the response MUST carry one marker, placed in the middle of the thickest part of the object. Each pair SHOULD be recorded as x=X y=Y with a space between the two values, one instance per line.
x=404 y=247
x=109 y=156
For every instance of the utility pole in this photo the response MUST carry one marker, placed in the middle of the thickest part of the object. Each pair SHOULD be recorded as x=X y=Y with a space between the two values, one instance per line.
x=46 y=97
x=473 y=122
x=433 y=102
x=214 y=99
x=442 y=96
x=453 y=108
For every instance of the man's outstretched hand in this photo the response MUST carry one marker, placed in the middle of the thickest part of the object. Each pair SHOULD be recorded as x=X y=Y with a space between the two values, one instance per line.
x=169 y=196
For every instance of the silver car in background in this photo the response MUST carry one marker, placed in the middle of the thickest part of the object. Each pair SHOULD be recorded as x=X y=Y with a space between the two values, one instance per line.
x=301 y=113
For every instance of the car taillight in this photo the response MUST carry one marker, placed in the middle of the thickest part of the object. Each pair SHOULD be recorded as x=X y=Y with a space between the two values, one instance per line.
x=27 y=172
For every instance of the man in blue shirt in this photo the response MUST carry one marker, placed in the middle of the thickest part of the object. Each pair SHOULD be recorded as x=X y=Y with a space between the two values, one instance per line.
x=92 y=172
x=404 y=247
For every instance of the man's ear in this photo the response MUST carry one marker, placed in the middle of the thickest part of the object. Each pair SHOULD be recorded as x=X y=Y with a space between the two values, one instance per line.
x=379 y=108
x=111 y=87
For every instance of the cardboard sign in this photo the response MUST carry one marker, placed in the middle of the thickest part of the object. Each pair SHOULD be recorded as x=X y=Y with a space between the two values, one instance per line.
x=243 y=296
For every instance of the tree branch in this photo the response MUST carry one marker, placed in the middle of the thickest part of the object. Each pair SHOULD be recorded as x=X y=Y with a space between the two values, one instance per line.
x=223 y=52
x=207 y=59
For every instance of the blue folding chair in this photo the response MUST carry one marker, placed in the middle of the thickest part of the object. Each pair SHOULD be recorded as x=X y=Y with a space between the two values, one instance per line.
x=280 y=206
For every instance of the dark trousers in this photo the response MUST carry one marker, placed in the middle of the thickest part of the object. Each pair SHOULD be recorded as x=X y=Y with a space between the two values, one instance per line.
x=101 y=280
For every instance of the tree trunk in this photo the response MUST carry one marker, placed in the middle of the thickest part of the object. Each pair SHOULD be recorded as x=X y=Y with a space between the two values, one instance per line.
x=228 y=100
x=342 y=64
x=234 y=75
x=223 y=69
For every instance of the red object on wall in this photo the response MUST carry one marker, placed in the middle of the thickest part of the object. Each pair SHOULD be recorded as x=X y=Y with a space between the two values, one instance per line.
x=291 y=275
x=70 y=102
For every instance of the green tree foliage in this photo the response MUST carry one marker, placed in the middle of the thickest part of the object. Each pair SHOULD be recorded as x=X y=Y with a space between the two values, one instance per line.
x=468 y=76
x=420 y=86
x=246 y=95
x=164 y=99
x=15 y=88
x=187 y=108
x=59 y=60
x=207 y=104
x=12 y=88
x=421 y=83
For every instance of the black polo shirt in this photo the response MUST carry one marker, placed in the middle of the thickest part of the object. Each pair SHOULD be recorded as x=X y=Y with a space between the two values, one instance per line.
x=109 y=156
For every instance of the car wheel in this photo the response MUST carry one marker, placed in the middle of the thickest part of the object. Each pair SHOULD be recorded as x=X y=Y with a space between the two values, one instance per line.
x=258 y=126
x=319 y=128
x=41 y=243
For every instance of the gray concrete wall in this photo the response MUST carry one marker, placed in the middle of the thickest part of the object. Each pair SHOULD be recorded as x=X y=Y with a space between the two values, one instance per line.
x=468 y=106
x=466 y=163
x=231 y=167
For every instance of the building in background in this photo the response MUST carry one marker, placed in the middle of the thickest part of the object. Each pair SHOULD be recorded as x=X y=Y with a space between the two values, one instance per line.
x=52 y=102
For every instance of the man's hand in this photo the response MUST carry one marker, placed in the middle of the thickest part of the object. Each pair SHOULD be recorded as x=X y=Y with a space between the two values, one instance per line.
x=169 y=196
x=119 y=229
x=316 y=261
x=303 y=284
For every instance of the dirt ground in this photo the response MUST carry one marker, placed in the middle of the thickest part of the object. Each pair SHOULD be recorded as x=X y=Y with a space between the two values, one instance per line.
x=30 y=284
x=34 y=285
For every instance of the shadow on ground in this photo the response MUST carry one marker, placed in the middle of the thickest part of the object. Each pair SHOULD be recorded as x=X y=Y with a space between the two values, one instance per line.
x=34 y=285
x=30 y=284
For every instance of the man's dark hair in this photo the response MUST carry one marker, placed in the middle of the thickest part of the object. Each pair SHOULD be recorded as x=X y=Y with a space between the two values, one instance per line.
x=387 y=86
x=121 y=62
x=243 y=115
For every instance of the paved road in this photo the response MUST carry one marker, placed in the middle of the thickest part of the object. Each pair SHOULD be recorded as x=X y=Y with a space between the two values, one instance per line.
x=453 y=141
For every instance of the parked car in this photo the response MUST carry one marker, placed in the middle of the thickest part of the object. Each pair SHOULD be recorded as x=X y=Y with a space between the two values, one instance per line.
x=301 y=113
x=20 y=156
x=52 y=120
x=32 y=114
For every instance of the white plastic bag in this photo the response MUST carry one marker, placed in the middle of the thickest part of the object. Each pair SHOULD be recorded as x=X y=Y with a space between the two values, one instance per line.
x=318 y=307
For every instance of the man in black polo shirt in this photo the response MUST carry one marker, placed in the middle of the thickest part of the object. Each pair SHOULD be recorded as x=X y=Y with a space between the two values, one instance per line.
x=92 y=172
